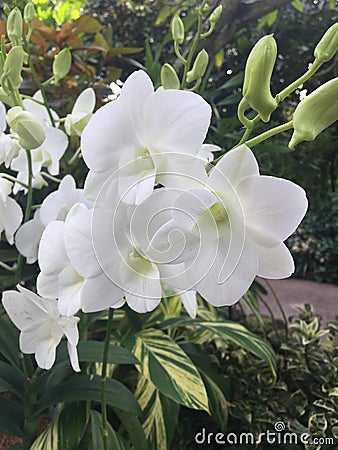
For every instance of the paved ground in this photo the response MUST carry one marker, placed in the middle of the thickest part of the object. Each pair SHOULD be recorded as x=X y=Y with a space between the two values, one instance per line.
x=294 y=292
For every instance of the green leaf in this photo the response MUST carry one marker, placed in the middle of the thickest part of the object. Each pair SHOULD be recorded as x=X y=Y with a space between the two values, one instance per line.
x=9 y=341
x=11 y=417
x=152 y=418
x=134 y=429
x=169 y=368
x=92 y=351
x=72 y=424
x=115 y=441
x=298 y=4
x=171 y=306
x=66 y=430
x=84 y=387
x=269 y=19
x=11 y=379
x=234 y=332
x=218 y=403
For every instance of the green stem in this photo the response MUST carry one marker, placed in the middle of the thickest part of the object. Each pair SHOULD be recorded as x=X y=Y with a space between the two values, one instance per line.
x=50 y=177
x=243 y=104
x=7 y=267
x=75 y=156
x=104 y=378
x=178 y=53
x=275 y=296
x=194 y=45
x=10 y=178
x=248 y=131
x=267 y=134
x=293 y=86
x=28 y=207
x=38 y=82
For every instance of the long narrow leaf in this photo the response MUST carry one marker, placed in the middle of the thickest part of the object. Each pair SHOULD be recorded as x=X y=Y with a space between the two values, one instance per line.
x=84 y=387
x=169 y=368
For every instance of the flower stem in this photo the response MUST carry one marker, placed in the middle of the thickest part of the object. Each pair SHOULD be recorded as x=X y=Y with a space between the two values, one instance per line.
x=38 y=82
x=13 y=179
x=293 y=86
x=267 y=134
x=194 y=45
x=104 y=378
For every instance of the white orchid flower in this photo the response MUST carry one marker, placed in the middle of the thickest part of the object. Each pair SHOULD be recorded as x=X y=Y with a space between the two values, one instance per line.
x=41 y=325
x=235 y=226
x=145 y=135
x=10 y=211
x=58 y=278
x=55 y=206
x=81 y=113
x=108 y=246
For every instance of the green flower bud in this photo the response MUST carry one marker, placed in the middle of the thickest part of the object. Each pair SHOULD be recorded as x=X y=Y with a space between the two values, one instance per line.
x=7 y=9
x=178 y=30
x=5 y=98
x=62 y=64
x=199 y=67
x=215 y=15
x=257 y=76
x=328 y=45
x=11 y=116
x=29 y=13
x=11 y=77
x=169 y=78
x=26 y=125
x=316 y=112
x=14 y=26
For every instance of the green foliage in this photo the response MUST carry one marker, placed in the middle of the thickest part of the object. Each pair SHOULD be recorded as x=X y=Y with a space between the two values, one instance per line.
x=315 y=244
x=304 y=397
x=58 y=12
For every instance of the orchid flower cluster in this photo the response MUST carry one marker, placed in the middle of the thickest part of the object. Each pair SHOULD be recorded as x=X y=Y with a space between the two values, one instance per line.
x=157 y=217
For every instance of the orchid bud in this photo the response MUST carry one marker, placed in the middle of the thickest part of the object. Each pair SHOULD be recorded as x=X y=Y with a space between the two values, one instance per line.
x=199 y=67
x=29 y=13
x=328 y=45
x=11 y=77
x=14 y=26
x=7 y=9
x=215 y=15
x=5 y=98
x=257 y=76
x=62 y=64
x=169 y=78
x=178 y=30
x=316 y=112
x=26 y=125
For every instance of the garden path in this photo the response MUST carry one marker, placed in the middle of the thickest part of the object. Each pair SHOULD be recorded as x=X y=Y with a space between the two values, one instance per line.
x=294 y=293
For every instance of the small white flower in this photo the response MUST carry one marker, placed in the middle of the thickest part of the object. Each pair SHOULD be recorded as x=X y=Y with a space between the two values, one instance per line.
x=41 y=325
x=54 y=207
x=58 y=278
x=10 y=211
x=81 y=113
